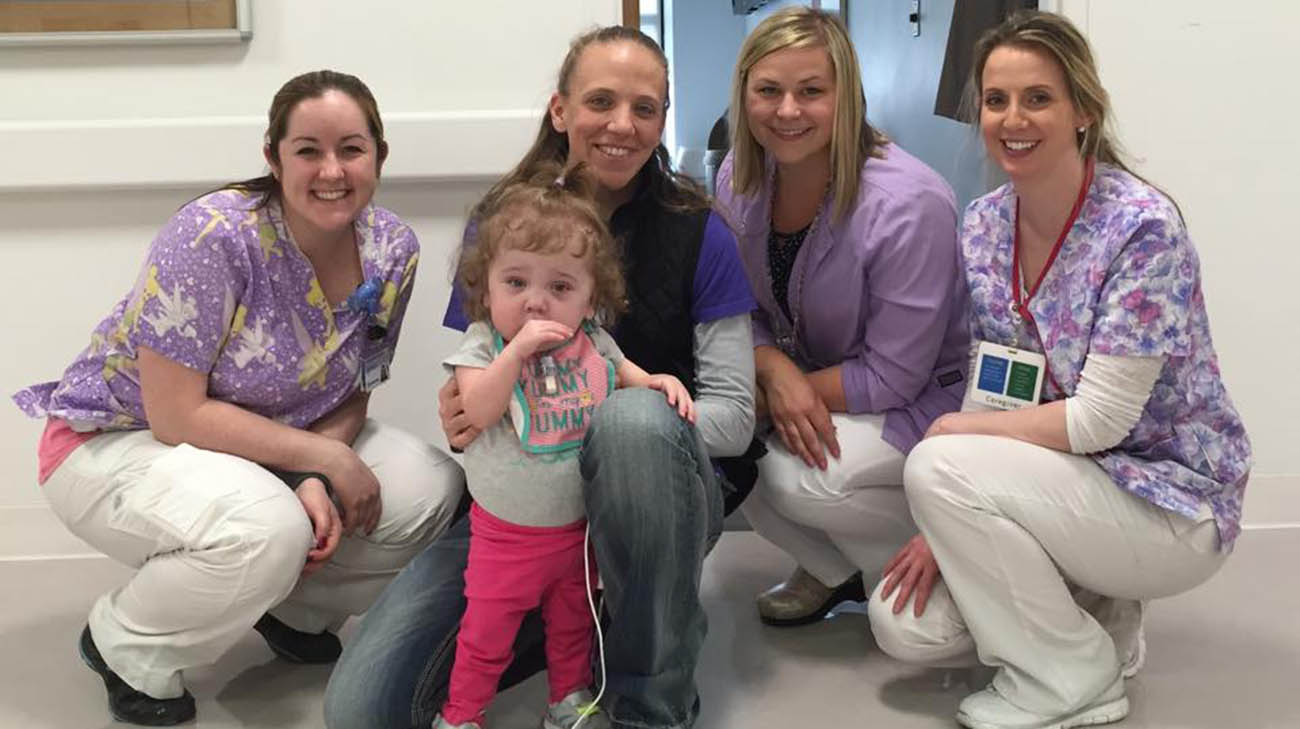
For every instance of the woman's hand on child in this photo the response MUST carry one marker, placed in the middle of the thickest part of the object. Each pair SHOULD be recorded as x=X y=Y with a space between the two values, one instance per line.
x=456 y=425
x=537 y=335
x=677 y=394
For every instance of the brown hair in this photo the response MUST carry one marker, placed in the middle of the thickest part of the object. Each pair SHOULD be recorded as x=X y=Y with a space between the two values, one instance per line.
x=853 y=140
x=296 y=90
x=666 y=187
x=545 y=214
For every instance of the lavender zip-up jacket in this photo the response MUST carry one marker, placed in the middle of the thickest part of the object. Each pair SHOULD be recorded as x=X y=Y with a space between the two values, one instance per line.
x=878 y=290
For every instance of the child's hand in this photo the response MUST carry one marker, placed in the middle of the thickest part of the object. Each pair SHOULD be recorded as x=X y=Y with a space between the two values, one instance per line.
x=537 y=335
x=677 y=395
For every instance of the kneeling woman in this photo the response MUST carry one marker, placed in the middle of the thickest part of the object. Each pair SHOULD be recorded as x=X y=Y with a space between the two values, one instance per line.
x=850 y=245
x=1052 y=523
x=262 y=317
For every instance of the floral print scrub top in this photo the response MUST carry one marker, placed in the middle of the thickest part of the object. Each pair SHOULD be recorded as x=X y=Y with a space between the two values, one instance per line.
x=1125 y=282
x=225 y=291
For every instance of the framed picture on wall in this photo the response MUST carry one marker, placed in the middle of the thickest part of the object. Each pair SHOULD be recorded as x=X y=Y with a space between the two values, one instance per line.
x=108 y=22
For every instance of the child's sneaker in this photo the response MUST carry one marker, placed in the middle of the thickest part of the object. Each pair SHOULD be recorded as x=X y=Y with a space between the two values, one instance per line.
x=576 y=707
x=441 y=723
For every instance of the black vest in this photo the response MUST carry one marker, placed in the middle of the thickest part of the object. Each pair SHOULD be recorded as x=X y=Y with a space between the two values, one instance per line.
x=661 y=251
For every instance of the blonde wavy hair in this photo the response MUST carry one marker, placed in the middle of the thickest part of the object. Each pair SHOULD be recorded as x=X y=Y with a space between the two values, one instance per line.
x=853 y=140
x=1061 y=41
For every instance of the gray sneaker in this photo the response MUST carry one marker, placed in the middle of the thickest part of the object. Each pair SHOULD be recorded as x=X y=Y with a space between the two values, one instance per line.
x=575 y=710
x=441 y=723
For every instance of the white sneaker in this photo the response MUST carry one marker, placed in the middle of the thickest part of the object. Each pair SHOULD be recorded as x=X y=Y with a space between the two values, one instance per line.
x=441 y=723
x=988 y=710
x=578 y=709
x=1135 y=656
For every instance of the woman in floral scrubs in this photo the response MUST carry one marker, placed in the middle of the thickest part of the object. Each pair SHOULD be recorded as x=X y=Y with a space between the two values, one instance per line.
x=1051 y=525
x=241 y=361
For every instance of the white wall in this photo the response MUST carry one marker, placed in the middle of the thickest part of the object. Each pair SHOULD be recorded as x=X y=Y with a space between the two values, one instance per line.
x=103 y=144
x=1205 y=95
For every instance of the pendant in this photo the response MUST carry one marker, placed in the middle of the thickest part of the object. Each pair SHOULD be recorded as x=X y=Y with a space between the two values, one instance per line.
x=549 y=370
x=786 y=343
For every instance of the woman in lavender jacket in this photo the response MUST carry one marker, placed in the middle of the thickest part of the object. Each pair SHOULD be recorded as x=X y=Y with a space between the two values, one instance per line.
x=850 y=246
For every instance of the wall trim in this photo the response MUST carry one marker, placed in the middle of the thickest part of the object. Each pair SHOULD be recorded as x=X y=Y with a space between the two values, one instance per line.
x=33 y=533
x=197 y=151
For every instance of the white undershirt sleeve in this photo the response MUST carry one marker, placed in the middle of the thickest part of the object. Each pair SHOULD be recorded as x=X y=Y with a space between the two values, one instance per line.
x=1109 y=400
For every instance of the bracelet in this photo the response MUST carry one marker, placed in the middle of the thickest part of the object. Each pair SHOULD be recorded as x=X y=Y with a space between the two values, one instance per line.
x=294 y=479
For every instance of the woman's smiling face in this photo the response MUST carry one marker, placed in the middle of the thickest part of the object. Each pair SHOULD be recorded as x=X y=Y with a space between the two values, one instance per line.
x=329 y=165
x=614 y=111
x=1027 y=120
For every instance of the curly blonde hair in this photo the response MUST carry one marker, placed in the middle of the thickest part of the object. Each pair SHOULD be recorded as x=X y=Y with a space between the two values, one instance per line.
x=546 y=213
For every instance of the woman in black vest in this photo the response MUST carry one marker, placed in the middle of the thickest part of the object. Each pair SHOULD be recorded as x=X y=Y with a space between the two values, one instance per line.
x=654 y=497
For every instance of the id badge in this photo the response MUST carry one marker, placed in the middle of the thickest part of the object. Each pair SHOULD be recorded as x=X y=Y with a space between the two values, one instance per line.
x=374 y=368
x=1006 y=378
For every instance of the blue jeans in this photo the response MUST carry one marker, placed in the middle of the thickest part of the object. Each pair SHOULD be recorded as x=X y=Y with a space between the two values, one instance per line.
x=655 y=509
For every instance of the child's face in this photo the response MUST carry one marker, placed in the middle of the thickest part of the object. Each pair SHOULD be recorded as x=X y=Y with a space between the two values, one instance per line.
x=524 y=285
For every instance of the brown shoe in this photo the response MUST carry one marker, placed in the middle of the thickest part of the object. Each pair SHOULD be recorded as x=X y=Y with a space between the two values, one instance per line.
x=803 y=599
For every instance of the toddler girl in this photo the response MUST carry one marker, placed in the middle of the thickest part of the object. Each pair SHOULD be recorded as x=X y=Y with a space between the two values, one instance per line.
x=532 y=369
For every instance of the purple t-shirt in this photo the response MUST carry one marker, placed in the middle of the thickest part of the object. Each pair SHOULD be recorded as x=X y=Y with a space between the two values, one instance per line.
x=226 y=292
x=1126 y=282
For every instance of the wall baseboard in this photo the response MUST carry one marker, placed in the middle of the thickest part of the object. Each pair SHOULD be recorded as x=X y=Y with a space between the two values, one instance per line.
x=199 y=151
x=33 y=533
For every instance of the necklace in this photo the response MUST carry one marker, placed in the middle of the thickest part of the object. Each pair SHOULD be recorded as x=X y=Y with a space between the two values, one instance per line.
x=1021 y=292
x=787 y=339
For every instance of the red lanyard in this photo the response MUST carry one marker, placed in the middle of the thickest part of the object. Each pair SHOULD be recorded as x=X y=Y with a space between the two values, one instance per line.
x=1022 y=306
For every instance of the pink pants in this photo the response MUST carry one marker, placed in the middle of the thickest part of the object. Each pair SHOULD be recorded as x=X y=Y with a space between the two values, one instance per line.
x=513 y=569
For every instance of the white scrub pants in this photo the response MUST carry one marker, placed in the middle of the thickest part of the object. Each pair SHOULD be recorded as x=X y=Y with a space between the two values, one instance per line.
x=851 y=517
x=1017 y=529
x=218 y=541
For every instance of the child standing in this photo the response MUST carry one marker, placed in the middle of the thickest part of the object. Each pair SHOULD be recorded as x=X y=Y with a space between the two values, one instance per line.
x=532 y=369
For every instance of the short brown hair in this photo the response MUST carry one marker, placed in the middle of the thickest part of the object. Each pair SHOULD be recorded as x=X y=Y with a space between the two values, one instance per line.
x=545 y=214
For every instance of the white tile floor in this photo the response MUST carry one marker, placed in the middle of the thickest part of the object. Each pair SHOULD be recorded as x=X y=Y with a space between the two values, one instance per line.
x=1225 y=656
